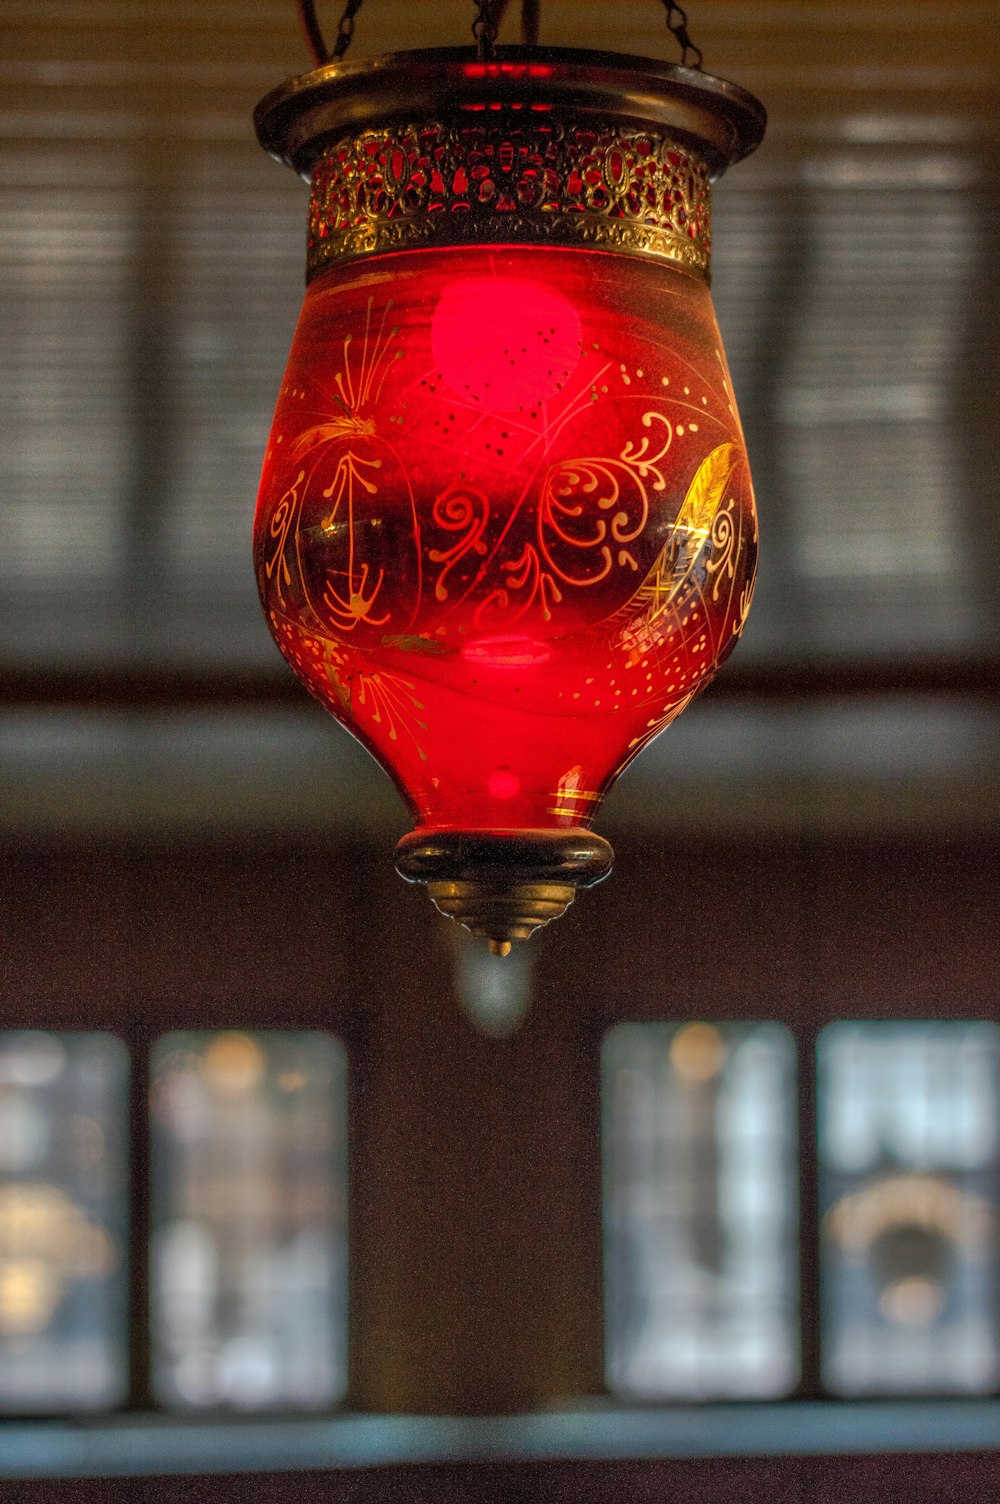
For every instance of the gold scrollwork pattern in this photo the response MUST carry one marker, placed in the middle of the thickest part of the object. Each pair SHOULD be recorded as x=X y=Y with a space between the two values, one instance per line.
x=465 y=509
x=534 y=182
x=573 y=488
x=345 y=590
x=281 y=538
x=705 y=560
x=588 y=511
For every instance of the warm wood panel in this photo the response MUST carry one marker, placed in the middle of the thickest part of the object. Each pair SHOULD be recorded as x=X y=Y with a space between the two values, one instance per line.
x=894 y=1480
x=475 y=1219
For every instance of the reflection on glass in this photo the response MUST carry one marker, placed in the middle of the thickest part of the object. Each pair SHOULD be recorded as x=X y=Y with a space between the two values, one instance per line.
x=249 y=1250
x=700 y=1210
x=63 y=1213
x=909 y=1149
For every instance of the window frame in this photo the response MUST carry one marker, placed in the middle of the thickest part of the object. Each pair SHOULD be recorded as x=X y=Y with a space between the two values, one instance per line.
x=138 y=1034
x=805 y=1032
x=378 y=979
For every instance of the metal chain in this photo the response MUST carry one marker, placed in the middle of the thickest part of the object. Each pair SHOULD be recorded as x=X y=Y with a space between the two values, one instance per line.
x=486 y=26
x=531 y=19
x=345 y=31
x=314 y=34
x=677 y=24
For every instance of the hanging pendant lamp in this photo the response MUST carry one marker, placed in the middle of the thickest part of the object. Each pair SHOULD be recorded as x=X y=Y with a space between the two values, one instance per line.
x=506 y=530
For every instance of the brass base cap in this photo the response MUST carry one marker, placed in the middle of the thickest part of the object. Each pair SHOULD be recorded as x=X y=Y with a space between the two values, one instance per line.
x=501 y=915
x=503 y=885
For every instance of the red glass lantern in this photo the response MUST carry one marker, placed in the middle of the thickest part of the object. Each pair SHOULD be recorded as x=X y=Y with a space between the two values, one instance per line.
x=506 y=529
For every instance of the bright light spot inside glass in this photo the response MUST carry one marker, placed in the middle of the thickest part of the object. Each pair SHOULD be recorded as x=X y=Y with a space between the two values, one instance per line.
x=700 y=1210
x=503 y=785
x=63 y=1216
x=909 y=1150
x=505 y=343
x=249 y=1246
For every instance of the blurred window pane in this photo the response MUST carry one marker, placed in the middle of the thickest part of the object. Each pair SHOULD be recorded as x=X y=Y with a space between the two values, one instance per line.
x=249 y=1251
x=63 y=1221
x=700 y=1204
x=909 y=1148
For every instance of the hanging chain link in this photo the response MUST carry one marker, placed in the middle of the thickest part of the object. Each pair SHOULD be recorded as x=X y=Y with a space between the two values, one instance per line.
x=485 y=27
x=677 y=24
x=345 y=31
x=314 y=34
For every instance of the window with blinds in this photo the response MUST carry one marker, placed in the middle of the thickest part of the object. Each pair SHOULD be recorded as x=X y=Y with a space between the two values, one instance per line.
x=151 y=264
x=704 y=1175
x=247 y=1209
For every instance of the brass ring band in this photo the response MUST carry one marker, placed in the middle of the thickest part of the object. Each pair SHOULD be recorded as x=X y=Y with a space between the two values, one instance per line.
x=543 y=146
x=539 y=180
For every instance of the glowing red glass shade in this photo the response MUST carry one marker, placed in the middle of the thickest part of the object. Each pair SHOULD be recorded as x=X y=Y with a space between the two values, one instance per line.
x=505 y=527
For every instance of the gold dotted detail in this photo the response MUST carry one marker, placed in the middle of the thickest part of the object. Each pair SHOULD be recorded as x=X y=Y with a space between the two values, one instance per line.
x=430 y=183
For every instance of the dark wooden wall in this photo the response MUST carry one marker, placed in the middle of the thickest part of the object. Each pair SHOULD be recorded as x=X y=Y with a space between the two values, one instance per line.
x=475 y=1225
x=932 y=1479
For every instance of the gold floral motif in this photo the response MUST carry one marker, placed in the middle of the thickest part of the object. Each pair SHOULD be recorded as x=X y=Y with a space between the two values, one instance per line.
x=542 y=182
x=583 y=524
x=696 y=525
x=355 y=602
x=284 y=516
x=352 y=402
x=722 y=565
x=706 y=550
x=389 y=700
x=460 y=506
x=653 y=729
x=572 y=488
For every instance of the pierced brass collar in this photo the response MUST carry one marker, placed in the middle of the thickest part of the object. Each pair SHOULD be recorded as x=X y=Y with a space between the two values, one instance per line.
x=544 y=146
